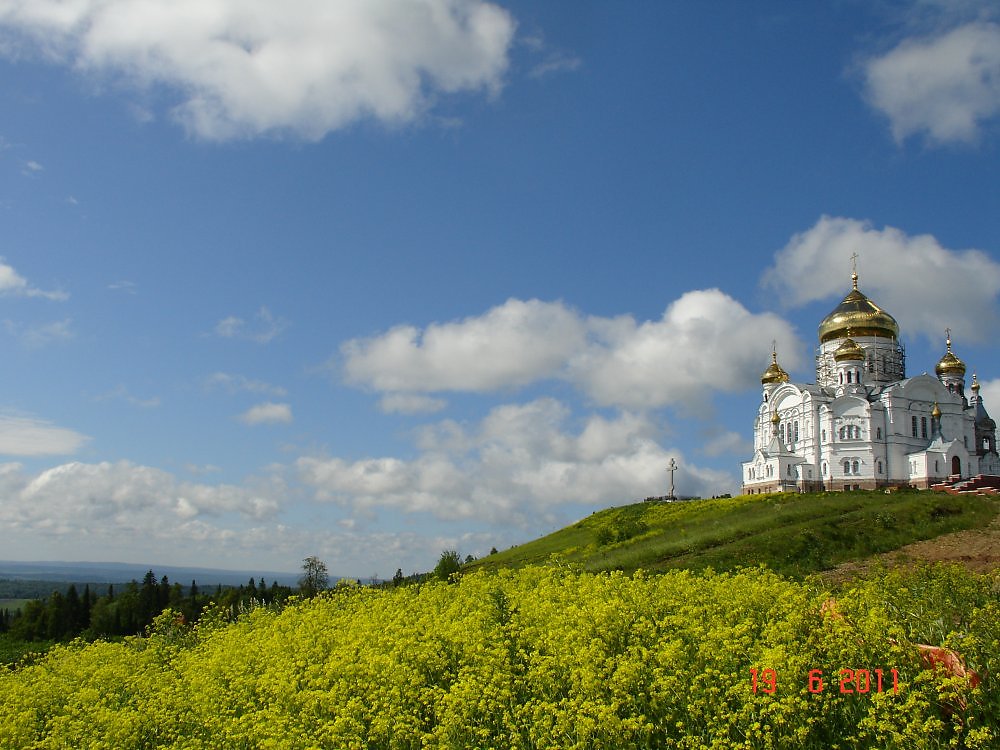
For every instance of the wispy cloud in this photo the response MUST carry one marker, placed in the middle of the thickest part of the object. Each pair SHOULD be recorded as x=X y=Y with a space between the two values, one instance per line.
x=31 y=168
x=29 y=436
x=267 y=413
x=234 y=383
x=122 y=393
x=555 y=62
x=15 y=285
x=263 y=329
x=40 y=334
x=128 y=287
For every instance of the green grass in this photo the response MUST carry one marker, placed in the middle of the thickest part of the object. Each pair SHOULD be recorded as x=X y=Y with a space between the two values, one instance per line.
x=793 y=534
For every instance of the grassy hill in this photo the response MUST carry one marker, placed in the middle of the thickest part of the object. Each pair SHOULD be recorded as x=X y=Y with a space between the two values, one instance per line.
x=794 y=534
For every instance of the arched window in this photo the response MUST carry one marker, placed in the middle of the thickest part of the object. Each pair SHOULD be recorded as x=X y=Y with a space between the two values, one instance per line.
x=856 y=467
x=923 y=427
x=781 y=432
x=841 y=377
x=824 y=468
x=878 y=466
x=823 y=435
x=796 y=438
x=847 y=467
x=878 y=433
x=840 y=433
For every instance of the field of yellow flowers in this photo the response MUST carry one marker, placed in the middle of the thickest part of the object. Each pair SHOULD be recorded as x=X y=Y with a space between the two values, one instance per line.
x=542 y=657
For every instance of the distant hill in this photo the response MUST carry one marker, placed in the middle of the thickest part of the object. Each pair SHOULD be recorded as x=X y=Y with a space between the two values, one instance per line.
x=109 y=572
x=793 y=534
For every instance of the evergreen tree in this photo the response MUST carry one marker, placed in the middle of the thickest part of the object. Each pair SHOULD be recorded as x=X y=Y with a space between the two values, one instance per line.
x=87 y=605
x=74 y=612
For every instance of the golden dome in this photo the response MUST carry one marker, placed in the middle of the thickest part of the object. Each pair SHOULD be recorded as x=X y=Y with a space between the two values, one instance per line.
x=860 y=315
x=774 y=373
x=775 y=419
x=949 y=363
x=849 y=351
x=975 y=383
x=936 y=411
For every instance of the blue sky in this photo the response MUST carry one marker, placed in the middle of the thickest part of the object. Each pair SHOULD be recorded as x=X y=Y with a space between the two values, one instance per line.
x=369 y=280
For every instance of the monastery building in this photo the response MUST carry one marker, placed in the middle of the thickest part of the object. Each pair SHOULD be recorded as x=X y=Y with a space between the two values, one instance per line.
x=864 y=424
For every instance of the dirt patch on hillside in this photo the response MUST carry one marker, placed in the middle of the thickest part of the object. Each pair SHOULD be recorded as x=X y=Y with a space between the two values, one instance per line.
x=976 y=549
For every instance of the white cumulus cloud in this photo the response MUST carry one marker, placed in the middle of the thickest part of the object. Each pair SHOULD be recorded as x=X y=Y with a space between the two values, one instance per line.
x=922 y=284
x=242 y=68
x=267 y=413
x=945 y=86
x=705 y=341
x=129 y=510
x=518 y=465
x=512 y=344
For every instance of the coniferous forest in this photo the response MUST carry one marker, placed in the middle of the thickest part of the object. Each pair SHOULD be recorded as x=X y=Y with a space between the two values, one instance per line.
x=129 y=609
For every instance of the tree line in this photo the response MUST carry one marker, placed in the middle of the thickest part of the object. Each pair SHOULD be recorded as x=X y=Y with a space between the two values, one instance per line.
x=129 y=609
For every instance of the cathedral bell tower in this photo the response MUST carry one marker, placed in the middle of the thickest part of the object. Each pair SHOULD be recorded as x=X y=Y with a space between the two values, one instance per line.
x=951 y=371
x=857 y=326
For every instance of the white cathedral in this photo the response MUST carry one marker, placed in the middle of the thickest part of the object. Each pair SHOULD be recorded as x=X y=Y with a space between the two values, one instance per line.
x=864 y=424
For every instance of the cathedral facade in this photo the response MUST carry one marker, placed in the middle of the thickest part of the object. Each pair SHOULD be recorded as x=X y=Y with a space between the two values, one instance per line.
x=863 y=424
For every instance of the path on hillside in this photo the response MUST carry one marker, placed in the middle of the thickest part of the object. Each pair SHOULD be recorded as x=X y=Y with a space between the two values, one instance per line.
x=976 y=549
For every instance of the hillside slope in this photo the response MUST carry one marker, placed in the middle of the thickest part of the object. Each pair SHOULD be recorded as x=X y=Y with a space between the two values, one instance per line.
x=794 y=534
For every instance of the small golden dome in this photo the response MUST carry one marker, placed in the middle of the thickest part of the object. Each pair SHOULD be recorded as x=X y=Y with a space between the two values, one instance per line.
x=936 y=411
x=975 y=383
x=860 y=315
x=849 y=351
x=949 y=363
x=774 y=374
x=775 y=419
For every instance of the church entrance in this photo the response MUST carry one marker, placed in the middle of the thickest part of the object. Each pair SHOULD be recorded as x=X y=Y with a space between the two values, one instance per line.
x=956 y=466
